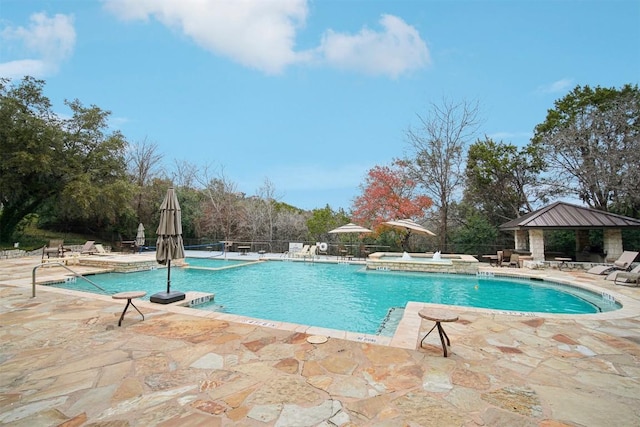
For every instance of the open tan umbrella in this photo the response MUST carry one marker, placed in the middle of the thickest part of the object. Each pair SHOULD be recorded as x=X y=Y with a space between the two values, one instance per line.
x=350 y=228
x=409 y=225
x=169 y=245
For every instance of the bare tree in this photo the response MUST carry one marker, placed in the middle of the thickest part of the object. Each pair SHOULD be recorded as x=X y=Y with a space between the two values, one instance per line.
x=144 y=164
x=223 y=210
x=436 y=155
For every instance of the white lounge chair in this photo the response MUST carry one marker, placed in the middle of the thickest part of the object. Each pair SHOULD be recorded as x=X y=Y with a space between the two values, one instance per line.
x=623 y=263
x=88 y=247
x=301 y=253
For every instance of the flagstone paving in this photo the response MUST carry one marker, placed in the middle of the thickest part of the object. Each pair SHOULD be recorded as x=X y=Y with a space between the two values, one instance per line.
x=64 y=361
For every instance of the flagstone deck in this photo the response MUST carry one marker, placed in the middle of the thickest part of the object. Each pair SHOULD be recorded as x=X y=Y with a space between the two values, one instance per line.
x=64 y=361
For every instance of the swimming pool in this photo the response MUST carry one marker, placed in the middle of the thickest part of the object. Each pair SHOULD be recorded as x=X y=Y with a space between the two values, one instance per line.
x=343 y=296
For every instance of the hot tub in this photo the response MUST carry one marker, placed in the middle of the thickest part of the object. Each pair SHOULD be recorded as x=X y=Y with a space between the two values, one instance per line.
x=422 y=262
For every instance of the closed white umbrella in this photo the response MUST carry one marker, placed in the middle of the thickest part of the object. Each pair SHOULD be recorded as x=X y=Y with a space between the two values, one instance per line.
x=140 y=239
x=169 y=245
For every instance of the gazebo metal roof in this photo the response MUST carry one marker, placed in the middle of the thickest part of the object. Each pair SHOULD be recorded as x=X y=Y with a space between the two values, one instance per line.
x=562 y=215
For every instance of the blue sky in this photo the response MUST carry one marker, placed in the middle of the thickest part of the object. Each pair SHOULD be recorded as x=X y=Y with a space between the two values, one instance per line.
x=312 y=94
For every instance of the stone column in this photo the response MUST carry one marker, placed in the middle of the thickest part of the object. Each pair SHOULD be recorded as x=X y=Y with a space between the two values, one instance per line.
x=521 y=240
x=612 y=244
x=536 y=244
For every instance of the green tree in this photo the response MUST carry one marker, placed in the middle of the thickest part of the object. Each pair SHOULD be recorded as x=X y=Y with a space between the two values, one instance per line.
x=97 y=191
x=502 y=181
x=31 y=171
x=323 y=220
x=591 y=142
x=70 y=170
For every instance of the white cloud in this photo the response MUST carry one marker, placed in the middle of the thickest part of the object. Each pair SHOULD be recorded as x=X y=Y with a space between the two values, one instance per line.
x=392 y=52
x=258 y=34
x=50 y=40
x=262 y=35
x=559 y=86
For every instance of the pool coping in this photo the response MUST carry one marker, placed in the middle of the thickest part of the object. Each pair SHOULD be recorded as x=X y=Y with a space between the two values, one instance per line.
x=407 y=332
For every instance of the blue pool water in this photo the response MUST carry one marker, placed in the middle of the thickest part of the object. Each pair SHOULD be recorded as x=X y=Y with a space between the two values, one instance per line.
x=343 y=296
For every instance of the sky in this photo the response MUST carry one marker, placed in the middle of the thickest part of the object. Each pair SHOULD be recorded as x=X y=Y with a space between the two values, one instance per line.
x=310 y=95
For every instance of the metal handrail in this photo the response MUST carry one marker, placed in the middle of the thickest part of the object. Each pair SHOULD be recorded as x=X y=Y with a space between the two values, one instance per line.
x=33 y=276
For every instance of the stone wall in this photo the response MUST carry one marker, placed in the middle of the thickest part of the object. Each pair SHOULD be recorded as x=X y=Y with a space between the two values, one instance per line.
x=458 y=264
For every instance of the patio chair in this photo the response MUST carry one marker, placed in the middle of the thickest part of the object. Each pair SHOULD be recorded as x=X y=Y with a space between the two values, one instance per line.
x=514 y=261
x=623 y=263
x=55 y=248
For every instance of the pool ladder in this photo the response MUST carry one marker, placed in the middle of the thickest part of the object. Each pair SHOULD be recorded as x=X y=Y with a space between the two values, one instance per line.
x=33 y=276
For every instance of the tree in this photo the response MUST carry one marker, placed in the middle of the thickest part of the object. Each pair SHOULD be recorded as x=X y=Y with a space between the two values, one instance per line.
x=436 y=158
x=323 y=220
x=97 y=190
x=144 y=164
x=71 y=170
x=389 y=193
x=30 y=142
x=591 y=142
x=222 y=213
x=502 y=181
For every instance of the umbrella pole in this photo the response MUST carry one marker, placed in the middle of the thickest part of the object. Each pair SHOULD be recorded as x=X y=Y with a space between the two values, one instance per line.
x=168 y=276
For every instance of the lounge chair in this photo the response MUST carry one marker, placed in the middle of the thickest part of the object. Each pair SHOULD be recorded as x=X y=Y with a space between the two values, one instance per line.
x=99 y=250
x=623 y=263
x=624 y=277
x=628 y=278
x=313 y=251
x=302 y=252
x=88 y=247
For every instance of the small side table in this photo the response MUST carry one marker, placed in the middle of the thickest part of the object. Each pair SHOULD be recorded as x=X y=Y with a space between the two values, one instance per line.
x=563 y=261
x=129 y=296
x=438 y=316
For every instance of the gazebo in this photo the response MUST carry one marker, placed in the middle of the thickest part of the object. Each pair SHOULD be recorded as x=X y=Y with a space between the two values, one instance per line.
x=566 y=216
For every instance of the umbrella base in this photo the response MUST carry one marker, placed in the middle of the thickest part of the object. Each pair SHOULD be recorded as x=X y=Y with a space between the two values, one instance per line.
x=167 y=297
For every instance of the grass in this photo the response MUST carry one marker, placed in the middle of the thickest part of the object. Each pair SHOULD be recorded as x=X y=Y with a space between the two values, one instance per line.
x=32 y=238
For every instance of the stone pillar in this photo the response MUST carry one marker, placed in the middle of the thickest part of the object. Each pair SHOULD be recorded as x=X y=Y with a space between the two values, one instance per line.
x=521 y=240
x=612 y=244
x=536 y=244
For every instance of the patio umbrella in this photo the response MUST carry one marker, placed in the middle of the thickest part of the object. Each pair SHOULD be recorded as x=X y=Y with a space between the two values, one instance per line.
x=350 y=228
x=169 y=244
x=140 y=237
x=409 y=226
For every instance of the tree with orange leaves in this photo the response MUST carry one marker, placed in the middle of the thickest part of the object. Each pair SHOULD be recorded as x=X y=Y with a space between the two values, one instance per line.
x=387 y=194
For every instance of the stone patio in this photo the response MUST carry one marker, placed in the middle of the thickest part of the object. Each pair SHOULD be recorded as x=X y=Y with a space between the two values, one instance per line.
x=64 y=361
